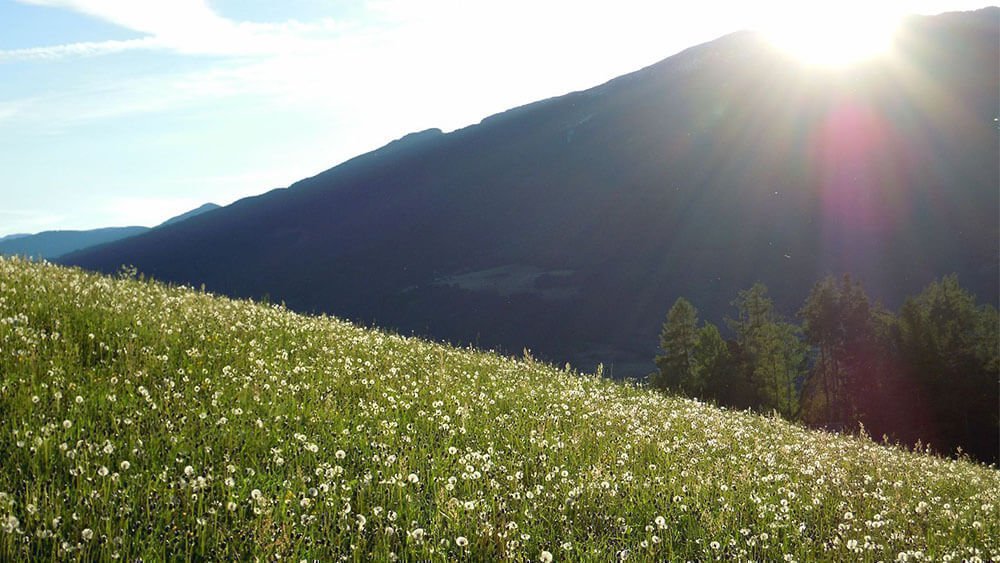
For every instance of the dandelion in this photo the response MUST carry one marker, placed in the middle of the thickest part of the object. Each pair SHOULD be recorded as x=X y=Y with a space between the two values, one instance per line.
x=188 y=470
x=660 y=522
x=545 y=556
x=340 y=454
x=103 y=471
x=10 y=523
x=87 y=534
x=125 y=465
x=67 y=424
x=462 y=541
x=412 y=478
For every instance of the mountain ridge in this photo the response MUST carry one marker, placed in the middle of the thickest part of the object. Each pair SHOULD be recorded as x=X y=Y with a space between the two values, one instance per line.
x=52 y=244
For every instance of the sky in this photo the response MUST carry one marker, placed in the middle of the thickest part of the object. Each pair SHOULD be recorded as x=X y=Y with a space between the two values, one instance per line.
x=128 y=112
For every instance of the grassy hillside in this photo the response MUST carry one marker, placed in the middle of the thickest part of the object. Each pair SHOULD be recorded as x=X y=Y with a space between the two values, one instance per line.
x=139 y=420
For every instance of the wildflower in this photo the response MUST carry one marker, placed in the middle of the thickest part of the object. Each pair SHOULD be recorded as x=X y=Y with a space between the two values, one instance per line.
x=67 y=424
x=412 y=478
x=545 y=556
x=661 y=522
x=125 y=465
x=103 y=471
x=10 y=524
x=87 y=534
x=461 y=541
x=340 y=454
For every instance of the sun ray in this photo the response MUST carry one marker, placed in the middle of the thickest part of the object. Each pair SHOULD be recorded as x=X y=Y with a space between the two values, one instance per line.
x=837 y=35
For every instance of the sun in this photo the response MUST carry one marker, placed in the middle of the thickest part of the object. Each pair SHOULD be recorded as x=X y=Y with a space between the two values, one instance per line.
x=836 y=34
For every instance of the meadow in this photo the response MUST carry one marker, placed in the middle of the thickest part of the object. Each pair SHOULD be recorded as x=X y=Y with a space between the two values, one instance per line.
x=144 y=421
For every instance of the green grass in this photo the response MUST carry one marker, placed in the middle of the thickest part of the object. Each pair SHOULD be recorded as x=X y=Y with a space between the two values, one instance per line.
x=139 y=420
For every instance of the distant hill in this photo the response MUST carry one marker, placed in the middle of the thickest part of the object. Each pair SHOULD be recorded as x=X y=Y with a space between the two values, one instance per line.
x=52 y=244
x=570 y=225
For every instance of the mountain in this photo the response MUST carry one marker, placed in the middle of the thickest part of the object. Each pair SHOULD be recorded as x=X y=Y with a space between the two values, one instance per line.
x=52 y=244
x=570 y=225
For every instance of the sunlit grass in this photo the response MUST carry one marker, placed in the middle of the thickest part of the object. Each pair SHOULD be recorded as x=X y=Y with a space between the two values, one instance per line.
x=143 y=421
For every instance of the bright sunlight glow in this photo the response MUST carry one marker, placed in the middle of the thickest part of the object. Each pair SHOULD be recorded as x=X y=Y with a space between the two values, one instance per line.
x=835 y=35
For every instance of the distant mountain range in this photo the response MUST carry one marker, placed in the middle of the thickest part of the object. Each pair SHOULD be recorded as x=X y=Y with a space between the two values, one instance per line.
x=570 y=225
x=52 y=244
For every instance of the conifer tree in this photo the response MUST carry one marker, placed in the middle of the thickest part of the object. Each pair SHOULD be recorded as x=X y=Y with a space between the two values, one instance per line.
x=678 y=339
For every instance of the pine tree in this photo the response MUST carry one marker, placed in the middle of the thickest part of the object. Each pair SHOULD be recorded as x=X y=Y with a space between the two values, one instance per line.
x=949 y=346
x=839 y=320
x=771 y=354
x=678 y=339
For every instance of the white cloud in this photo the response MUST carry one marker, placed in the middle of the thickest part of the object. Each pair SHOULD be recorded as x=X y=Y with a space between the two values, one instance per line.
x=182 y=26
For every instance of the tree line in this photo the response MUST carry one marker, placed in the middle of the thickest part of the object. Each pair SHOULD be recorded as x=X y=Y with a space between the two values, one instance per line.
x=927 y=376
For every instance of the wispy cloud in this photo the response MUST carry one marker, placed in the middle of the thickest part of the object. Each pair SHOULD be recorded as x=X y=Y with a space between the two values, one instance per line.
x=182 y=26
x=80 y=49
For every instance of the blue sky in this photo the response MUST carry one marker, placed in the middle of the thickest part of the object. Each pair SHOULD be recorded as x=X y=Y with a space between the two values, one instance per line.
x=127 y=112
